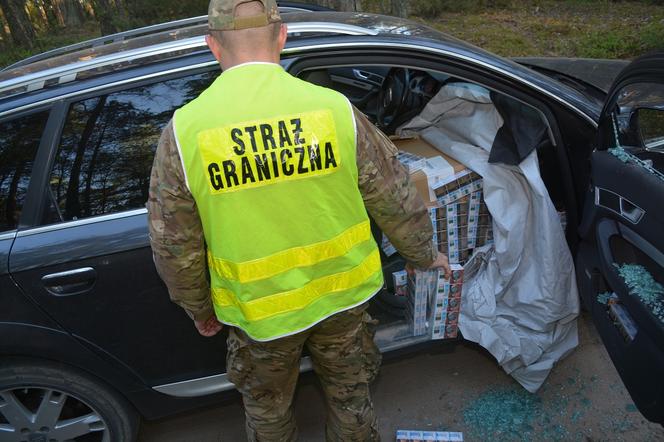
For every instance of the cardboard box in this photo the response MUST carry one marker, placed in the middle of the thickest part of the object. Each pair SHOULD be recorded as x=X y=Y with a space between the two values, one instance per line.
x=426 y=175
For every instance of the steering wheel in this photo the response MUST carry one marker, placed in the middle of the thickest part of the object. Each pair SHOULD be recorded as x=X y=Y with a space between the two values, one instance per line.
x=392 y=99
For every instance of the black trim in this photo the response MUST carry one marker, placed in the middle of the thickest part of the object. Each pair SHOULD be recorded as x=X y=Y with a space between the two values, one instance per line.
x=34 y=195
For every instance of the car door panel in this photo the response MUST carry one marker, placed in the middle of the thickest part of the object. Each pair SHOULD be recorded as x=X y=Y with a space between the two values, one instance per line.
x=126 y=313
x=86 y=258
x=623 y=224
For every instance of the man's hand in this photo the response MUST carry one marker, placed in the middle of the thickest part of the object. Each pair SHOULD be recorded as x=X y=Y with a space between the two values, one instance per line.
x=209 y=327
x=443 y=264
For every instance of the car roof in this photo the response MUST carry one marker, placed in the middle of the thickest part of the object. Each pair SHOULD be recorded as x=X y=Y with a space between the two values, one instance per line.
x=158 y=42
x=170 y=41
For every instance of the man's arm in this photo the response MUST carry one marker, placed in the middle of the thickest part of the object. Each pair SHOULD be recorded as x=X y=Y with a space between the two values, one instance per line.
x=176 y=233
x=390 y=198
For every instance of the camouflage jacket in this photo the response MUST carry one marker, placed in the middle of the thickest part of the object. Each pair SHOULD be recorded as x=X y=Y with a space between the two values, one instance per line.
x=176 y=234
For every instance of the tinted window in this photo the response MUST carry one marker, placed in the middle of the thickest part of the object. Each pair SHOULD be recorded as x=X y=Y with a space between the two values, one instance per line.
x=105 y=155
x=19 y=140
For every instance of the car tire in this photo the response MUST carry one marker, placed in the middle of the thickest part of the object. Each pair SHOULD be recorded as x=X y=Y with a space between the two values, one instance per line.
x=53 y=402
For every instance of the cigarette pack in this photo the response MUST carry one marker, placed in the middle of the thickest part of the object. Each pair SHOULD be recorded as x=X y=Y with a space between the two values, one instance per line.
x=446 y=304
x=400 y=281
x=421 y=284
x=422 y=436
x=387 y=246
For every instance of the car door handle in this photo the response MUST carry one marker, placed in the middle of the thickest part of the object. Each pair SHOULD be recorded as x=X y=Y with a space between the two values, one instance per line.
x=618 y=204
x=70 y=282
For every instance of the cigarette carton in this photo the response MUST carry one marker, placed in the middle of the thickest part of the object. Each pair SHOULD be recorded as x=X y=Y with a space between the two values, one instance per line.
x=421 y=436
x=421 y=284
x=446 y=304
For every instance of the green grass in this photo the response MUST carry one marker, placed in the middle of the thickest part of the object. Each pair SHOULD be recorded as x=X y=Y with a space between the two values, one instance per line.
x=594 y=29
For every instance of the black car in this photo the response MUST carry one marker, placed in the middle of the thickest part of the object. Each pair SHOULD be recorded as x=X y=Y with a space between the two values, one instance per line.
x=89 y=340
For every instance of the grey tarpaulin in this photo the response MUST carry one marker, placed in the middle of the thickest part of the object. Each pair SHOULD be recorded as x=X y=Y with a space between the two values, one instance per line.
x=520 y=298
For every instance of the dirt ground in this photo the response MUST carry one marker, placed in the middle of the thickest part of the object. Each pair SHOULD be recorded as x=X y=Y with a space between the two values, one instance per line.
x=459 y=387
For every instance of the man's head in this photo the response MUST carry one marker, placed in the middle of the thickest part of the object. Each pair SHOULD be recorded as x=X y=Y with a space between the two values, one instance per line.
x=245 y=30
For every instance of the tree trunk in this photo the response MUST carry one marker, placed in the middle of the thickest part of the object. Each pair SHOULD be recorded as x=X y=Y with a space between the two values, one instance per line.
x=400 y=8
x=73 y=14
x=6 y=36
x=23 y=33
x=54 y=15
x=340 y=5
x=107 y=12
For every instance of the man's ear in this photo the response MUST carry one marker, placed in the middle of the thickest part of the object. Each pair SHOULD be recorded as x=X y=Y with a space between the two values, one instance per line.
x=213 y=44
x=283 y=35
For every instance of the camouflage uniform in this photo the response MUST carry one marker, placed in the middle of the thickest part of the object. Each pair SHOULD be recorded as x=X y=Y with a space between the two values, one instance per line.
x=343 y=353
x=345 y=359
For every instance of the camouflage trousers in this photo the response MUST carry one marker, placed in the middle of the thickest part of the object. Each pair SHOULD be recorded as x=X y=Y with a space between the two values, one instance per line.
x=345 y=359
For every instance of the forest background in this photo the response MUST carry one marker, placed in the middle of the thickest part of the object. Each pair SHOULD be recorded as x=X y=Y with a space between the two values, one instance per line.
x=566 y=28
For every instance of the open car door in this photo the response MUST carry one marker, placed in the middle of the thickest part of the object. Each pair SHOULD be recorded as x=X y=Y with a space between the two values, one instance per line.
x=620 y=264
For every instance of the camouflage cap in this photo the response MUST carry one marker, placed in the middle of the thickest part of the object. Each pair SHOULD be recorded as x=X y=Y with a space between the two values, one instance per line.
x=221 y=15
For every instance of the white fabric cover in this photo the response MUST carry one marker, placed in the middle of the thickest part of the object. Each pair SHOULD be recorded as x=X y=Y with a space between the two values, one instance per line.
x=520 y=298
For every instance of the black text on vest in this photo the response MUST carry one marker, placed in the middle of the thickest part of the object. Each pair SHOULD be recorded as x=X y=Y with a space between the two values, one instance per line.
x=268 y=152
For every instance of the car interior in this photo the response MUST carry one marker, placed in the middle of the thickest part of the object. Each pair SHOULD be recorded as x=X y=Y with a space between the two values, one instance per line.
x=390 y=96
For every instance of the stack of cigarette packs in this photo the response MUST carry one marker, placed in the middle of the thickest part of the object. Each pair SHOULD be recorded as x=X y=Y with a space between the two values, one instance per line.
x=463 y=222
x=421 y=284
x=447 y=304
x=422 y=436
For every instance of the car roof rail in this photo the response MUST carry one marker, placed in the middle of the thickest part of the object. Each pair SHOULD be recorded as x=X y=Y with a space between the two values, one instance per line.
x=113 y=38
x=91 y=65
x=133 y=33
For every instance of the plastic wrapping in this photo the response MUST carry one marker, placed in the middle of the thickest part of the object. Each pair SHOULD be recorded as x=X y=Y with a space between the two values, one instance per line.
x=520 y=298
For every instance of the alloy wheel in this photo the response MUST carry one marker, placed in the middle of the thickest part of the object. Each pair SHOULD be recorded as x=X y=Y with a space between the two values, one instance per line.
x=37 y=414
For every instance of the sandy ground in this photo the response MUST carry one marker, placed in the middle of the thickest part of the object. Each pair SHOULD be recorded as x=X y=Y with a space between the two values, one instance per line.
x=459 y=387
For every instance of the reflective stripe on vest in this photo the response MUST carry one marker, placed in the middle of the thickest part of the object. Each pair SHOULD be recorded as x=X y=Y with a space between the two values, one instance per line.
x=271 y=163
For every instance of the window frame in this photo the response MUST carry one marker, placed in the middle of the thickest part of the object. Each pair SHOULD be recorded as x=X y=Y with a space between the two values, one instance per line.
x=31 y=195
x=32 y=221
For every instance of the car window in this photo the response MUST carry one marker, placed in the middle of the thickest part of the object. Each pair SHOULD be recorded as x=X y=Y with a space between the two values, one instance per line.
x=19 y=141
x=108 y=142
x=651 y=128
x=637 y=124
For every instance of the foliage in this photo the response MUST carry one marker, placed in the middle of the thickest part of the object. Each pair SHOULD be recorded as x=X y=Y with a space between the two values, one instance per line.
x=572 y=28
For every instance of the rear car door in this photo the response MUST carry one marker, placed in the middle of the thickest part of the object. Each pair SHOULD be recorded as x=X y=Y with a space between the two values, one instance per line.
x=87 y=259
x=620 y=264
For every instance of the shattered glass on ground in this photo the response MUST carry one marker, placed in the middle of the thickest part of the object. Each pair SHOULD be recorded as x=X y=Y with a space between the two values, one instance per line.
x=504 y=414
x=558 y=412
x=642 y=284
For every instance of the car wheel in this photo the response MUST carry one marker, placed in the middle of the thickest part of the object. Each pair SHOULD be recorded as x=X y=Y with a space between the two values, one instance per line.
x=49 y=402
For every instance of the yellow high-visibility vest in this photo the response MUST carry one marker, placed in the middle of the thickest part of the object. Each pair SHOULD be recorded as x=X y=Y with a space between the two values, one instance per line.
x=271 y=163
